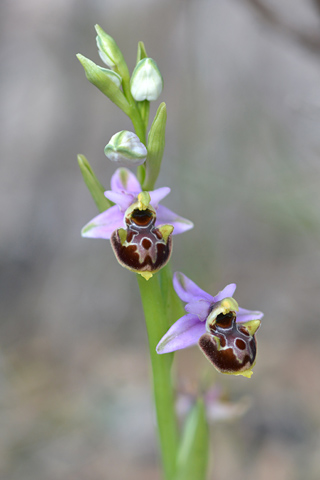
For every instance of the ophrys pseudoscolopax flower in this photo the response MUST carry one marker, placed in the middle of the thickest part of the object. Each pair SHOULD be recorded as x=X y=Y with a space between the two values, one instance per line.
x=139 y=228
x=224 y=331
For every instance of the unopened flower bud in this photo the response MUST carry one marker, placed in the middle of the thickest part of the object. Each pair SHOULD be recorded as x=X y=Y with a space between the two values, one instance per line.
x=125 y=149
x=146 y=81
x=113 y=76
x=108 y=49
x=104 y=57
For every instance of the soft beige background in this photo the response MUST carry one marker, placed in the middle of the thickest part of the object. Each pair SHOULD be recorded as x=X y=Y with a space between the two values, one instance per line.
x=242 y=159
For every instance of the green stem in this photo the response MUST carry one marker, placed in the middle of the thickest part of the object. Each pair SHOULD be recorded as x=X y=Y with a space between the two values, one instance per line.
x=172 y=302
x=140 y=130
x=144 y=109
x=138 y=124
x=134 y=112
x=157 y=326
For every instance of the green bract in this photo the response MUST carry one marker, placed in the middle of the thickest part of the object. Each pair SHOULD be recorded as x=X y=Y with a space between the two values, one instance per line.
x=93 y=184
x=105 y=82
x=193 y=453
x=156 y=144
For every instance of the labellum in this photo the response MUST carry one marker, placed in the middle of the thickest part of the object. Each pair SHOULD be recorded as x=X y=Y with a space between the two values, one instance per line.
x=142 y=247
x=230 y=346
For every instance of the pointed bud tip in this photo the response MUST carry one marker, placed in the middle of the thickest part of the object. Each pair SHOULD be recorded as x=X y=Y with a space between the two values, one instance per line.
x=142 y=53
x=87 y=64
x=83 y=163
x=80 y=158
x=162 y=107
x=101 y=32
x=80 y=58
x=110 y=52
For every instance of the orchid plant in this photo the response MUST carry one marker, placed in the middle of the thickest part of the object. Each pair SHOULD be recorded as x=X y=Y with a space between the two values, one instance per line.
x=140 y=231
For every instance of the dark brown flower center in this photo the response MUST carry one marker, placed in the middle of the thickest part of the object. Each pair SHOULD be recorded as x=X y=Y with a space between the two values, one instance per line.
x=141 y=218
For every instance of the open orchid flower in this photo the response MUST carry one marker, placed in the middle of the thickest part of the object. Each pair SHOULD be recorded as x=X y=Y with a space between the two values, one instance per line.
x=139 y=228
x=224 y=331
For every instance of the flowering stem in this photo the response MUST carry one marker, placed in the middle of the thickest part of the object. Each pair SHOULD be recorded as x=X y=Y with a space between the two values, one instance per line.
x=138 y=124
x=157 y=325
x=134 y=112
x=140 y=130
x=172 y=302
x=144 y=108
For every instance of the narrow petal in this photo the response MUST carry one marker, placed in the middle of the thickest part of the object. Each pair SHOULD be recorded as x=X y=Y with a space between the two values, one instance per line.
x=228 y=291
x=122 y=199
x=104 y=224
x=124 y=180
x=157 y=195
x=199 y=308
x=184 y=333
x=245 y=315
x=180 y=224
x=187 y=290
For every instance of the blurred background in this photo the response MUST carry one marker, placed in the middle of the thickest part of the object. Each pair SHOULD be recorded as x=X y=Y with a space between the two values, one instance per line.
x=242 y=87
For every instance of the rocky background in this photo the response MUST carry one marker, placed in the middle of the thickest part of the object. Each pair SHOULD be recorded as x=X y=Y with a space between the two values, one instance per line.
x=242 y=87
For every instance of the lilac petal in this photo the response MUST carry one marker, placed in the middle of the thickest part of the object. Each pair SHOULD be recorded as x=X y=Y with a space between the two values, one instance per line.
x=124 y=180
x=199 y=308
x=187 y=290
x=180 y=224
x=184 y=333
x=228 y=291
x=157 y=195
x=104 y=224
x=245 y=315
x=122 y=199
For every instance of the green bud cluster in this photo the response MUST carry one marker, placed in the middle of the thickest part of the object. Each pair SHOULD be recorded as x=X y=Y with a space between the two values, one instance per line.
x=132 y=95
